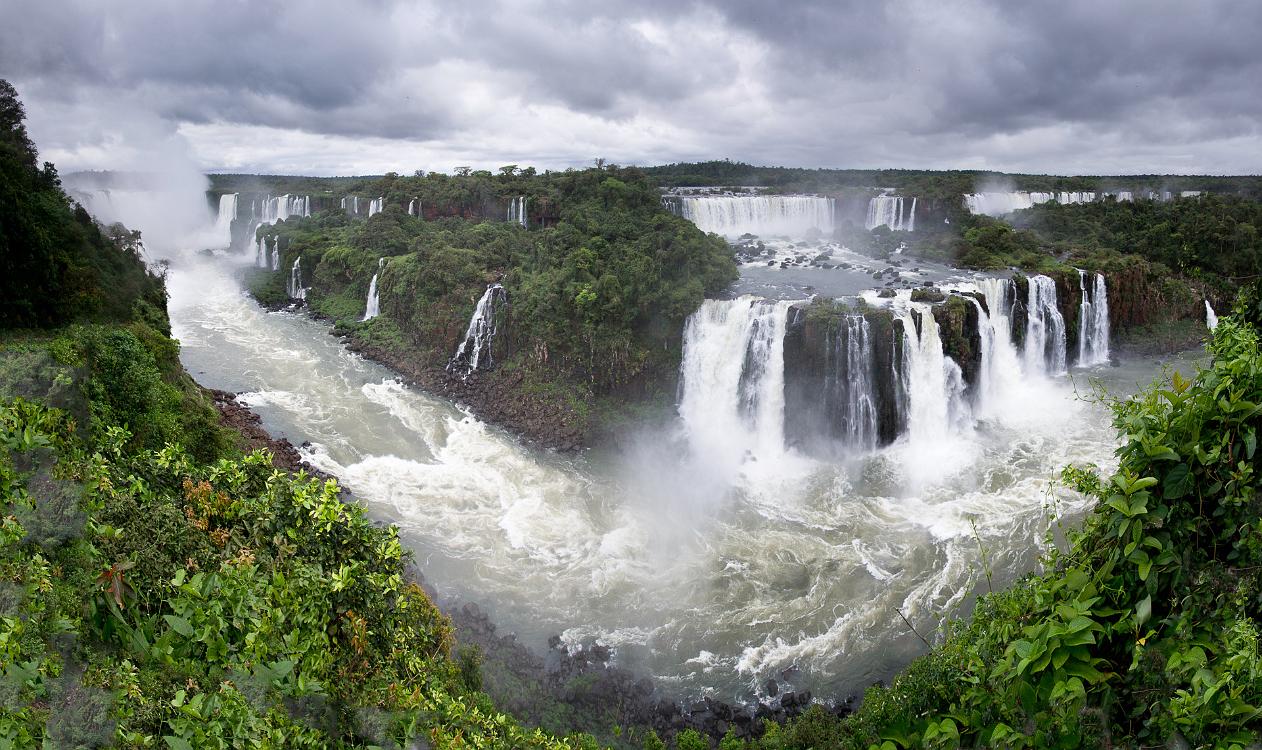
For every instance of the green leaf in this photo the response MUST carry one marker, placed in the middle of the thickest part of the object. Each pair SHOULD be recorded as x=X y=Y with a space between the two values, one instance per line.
x=179 y=625
x=1178 y=482
x=1143 y=611
x=177 y=743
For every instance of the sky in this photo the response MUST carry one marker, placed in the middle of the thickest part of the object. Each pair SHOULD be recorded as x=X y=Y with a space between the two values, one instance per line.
x=327 y=88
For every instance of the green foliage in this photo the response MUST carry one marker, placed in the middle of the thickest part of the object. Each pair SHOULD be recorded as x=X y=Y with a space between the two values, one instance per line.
x=56 y=264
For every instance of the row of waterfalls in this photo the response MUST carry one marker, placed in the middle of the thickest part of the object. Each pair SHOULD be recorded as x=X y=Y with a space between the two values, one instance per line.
x=761 y=376
x=1005 y=202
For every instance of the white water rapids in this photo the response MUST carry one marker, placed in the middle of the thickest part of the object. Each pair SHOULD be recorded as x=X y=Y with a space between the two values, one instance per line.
x=712 y=573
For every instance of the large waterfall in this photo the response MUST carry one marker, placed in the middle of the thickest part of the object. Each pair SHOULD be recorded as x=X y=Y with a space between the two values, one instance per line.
x=372 y=308
x=1044 y=330
x=887 y=211
x=998 y=204
x=260 y=252
x=1211 y=319
x=223 y=221
x=1093 y=321
x=1000 y=372
x=282 y=207
x=474 y=351
x=376 y=206
x=734 y=215
x=933 y=381
x=732 y=378
x=517 y=211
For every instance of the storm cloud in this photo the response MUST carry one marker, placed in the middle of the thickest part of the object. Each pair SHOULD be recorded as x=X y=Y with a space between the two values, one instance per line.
x=1078 y=86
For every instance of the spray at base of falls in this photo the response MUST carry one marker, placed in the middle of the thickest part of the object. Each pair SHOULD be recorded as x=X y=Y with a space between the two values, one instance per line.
x=1211 y=319
x=1093 y=321
x=372 y=308
x=474 y=351
x=763 y=215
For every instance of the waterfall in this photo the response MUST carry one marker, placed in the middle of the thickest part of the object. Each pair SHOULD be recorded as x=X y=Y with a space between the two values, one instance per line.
x=887 y=210
x=517 y=211
x=414 y=207
x=474 y=351
x=260 y=257
x=296 y=289
x=1000 y=370
x=373 y=306
x=1211 y=320
x=934 y=382
x=732 y=378
x=1045 y=329
x=999 y=204
x=850 y=384
x=223 y=222
x=1093 y=321
x=732 y=216
x=276 y=254
x=376 y=206
x=350 y=204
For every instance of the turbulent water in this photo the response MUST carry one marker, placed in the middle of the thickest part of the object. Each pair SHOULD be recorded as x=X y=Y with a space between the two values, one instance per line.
x=713 y=557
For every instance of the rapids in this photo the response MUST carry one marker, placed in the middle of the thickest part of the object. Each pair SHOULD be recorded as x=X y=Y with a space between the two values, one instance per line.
x=711 y=568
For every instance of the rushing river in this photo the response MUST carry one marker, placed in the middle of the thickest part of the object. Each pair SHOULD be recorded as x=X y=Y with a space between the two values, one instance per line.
x=709 y=580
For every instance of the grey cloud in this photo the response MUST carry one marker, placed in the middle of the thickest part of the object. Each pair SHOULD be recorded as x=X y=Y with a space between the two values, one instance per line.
x=815 y=82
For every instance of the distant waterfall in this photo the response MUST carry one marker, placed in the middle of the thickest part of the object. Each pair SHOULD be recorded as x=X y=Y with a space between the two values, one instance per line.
x=732 y=378
x=1045 y=329
x=999 y=204
x=296 y=289
x=887 y=210
x=474 y=351
x=1093 y=321
x=223 y=222
x=282 y=207
x=1211 y=319
x=350 y=204
x=732 y=215
x=517 y=211
x=276 y=254
x=414 y=207
x=260 y=252
x=933 y=381
x=376 y=206
x=850 y=384
x=373 y=306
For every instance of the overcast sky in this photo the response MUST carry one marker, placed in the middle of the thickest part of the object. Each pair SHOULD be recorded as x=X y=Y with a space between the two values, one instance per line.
x=314 y=87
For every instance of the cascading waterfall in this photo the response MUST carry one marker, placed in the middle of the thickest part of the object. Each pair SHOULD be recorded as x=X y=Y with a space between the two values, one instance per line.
x=414 y=207
x=934 y=382
x=296 y=289
x=1211 y=319
x=376 y=206
x=1093 y=321
x=732 y=378
x=1045 y=329
x=223 y=221
x=260 y=252
x=732 y=215
x=350 y=204
x=373 y=306
x=517 y=211
x=276 y=254
x=850 y=384
x=1000 y=371
x=474 y=351
x=887 y=210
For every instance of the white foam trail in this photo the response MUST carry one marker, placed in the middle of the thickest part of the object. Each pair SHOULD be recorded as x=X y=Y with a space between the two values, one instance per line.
x=1211 y=319
x=372 y=307
x=1093 y=321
